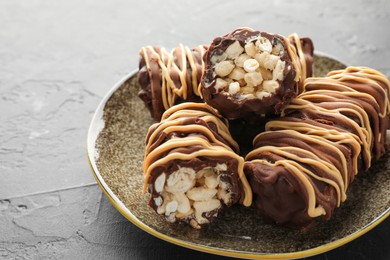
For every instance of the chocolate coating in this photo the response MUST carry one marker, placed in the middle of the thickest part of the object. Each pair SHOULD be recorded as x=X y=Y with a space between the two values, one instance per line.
x=169 y=78
x=280 y=196
x=149 y=80
x=302 y=166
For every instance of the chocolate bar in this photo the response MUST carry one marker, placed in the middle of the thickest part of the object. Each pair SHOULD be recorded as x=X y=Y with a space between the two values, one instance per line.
x=248 y=72
x=192 y=170
x=303 y=164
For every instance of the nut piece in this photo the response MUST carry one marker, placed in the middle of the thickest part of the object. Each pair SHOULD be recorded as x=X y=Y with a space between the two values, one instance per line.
x=247 y=90
x=218 y=58
x=237 y=73
x=201 y=194
x=234 y=50
x=158 y=201
x=183 y=203
x=264 y=44
x=253 y=78
x=180 y=181
x=241 y=59
x=251 y=65
x=250 y=49
x=171 y=207
x=224 y=68
x=277 y=74
x=200 y=173
x=271 y=61
x=159 y=183
x=261 y=58
x=278 y=49
x=165 y=200
x=221 y=167
x=224 y=196
x=211 y=181
x=220 y=84
x=193 y=196
x=205 y=206
x=234 y=88
x=270 y=86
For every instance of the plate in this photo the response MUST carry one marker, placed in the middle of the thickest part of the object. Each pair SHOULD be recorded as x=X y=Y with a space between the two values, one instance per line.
x=115 y=150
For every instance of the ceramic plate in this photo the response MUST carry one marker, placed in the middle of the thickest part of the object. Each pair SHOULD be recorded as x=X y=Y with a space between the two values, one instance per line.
x=115 y=150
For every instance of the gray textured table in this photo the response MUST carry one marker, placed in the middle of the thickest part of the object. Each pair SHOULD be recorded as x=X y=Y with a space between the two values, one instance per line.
x=57 y=60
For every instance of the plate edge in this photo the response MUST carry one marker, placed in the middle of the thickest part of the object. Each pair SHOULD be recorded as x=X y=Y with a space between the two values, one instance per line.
x=91 y=141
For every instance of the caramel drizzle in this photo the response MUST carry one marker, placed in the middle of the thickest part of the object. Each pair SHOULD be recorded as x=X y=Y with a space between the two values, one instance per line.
x=367 y=76
x=189 y=109
x=318 y=99
x=335 y=178
x=363 y=135
x=325 y=137
x=297 y=56
x=172 y=120
x=166 y=61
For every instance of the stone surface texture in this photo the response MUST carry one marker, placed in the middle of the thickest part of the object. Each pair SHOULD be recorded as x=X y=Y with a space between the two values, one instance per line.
x=58 y=59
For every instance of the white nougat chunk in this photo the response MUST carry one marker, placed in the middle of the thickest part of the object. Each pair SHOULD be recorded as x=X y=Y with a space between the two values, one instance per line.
x=278 y=49
x=183 y=203
x=177 y=175
x=221 y=167
x=224 y=68
x=218 y=58
x=159 y=183
x=262 y=94
x=171 y=207
x=165 y=200
x=180 y=181
x=237 y=73
x=204 y=171
x=270 y=86
x=224 y=195
x=277 y=74
x=205 y=206
x=220 y=84
x=211 y=181
x=261 y=58
x=201 y=194
x=253 y=78
x=241 y=59
x=171 y=218
x=251 y=65
x=234 y=50
x=158 y=201
x=250 y=49
x=271 y=61
x=247 y=90
x=234 y=88
x=264 y=44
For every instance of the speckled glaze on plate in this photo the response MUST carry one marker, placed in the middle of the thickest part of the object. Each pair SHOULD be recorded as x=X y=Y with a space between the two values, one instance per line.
x=115 y=150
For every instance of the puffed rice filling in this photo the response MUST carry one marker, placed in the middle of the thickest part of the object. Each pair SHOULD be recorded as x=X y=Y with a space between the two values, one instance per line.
x=196 y=196
x=252 y=71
